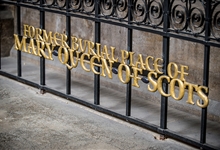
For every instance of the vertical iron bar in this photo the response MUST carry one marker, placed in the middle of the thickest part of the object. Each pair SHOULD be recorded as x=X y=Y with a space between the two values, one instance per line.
x=166 y=45
x=68 y=33
x=129 y=48
x=0 y=46
x=206 y=69
x=42 y=59
x=19 y=33
x=97 y=40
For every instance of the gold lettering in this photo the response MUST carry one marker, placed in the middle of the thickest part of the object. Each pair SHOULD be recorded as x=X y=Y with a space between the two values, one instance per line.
x=50 y=49
x=182 y=72
x=151 y=80
x=131 y=59
x=124 y=56
x=92 y=64
x=160 y=85
x=72 y=63
x=82 y=61
x=191 y=87
x=26 y=30
x=169 y=70
x=82 y=48
x=31 y=46
x=20 y=45
x=63 y=40
x=56 y=39
x=156 y=66
x=48 y=38
x=101 y=62
x=127 y=73
x=140 y=62
x=38 y=34
x=40 y=47
x=147 y=63
x=181 y=89
x=104 y=53
x=203 y=96
x=63 y=51
x=74 y=44
x=135 y=76
x=91 y=46
x=113 y=54
x=105 y=67
x=31 y=31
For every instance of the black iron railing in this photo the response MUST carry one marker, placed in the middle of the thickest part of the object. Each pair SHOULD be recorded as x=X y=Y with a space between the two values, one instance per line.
x=181 y=19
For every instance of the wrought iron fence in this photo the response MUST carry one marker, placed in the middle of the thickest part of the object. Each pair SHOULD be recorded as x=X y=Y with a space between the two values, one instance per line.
x=191 y=20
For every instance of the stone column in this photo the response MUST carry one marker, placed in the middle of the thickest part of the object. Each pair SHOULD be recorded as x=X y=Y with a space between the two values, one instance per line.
x=6 y=30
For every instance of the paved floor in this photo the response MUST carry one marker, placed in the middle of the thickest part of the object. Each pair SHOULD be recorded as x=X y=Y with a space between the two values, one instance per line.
x=30 y=120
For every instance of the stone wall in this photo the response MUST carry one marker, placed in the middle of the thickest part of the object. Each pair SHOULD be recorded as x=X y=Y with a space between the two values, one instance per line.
x=181 y=52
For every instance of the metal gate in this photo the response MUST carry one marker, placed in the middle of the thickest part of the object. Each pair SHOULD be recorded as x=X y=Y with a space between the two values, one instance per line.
x=182 y=19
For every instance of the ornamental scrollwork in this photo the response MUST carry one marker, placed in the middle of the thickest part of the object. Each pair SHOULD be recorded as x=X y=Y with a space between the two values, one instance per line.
x=107 y=7
x=75 y=4
x=197 y=20
x=148 y=12
x=185 y=16
x=155 y=12
x=86 y=6
x=55 y=3
x=188 y=15
x=114 y=8
x=139 y=11
x=121 y=9
x=215 y=25
x=178 y=17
